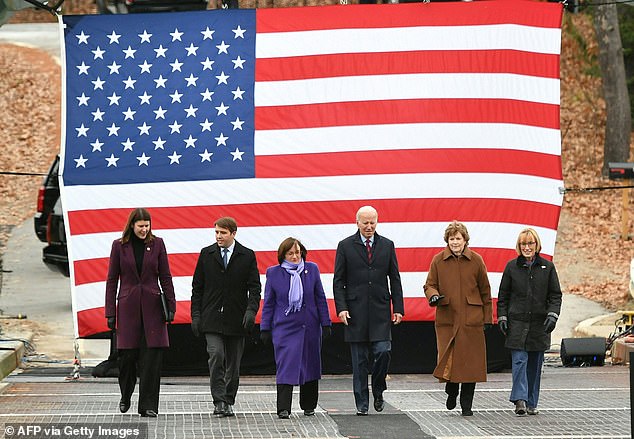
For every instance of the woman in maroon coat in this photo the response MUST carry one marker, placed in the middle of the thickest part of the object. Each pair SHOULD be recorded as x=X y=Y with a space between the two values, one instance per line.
x=295 y=315
x=138 y=263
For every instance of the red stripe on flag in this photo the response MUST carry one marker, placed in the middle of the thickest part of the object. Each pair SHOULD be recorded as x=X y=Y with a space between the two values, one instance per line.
x=325 y=212
x=540 y=14
x=92 y=321
x=407 y=111
x=438 y=61
x=410 y=161
x=410 y=260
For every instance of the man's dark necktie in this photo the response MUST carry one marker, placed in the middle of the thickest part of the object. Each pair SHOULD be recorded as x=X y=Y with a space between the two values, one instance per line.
x=225 y=256
x=368 y=247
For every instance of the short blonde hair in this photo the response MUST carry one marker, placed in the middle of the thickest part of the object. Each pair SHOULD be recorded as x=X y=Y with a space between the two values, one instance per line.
x=456 y=227
x=533 y=235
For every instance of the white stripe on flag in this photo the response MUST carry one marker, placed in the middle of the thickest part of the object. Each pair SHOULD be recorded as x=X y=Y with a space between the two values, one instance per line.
x=408 y=136
x=401 y=39
x=407 y=86
x=320 y=237
x=267 y=190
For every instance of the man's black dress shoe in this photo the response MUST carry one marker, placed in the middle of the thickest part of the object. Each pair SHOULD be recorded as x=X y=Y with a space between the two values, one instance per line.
x=379 y=404
x=467 y=412
x=309 y=412
x=124 y=406
x=219 y=409
x=148 y=414
x=362 y=413
x=229 y=410
x=283 y=414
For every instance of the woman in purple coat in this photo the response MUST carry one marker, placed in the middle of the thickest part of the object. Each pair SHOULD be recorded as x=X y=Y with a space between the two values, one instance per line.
x=138 y=263
x=295 y=315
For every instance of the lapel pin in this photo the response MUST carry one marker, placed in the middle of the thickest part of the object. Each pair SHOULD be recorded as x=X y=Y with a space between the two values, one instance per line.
x=148 y=249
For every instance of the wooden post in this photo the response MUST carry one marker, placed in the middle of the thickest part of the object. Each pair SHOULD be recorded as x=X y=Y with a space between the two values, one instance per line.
x=625 y=219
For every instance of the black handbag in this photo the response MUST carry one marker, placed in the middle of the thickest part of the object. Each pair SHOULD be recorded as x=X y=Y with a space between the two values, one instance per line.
x=164 y=306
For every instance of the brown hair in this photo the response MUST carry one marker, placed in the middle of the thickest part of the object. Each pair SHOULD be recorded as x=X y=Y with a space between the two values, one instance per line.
x=533 y=234
x=456 y=227
x=138 y=214
x=226 y=222
x=288 y=244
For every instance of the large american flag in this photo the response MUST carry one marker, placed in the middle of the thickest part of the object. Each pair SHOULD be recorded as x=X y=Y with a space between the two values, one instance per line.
x=291 y=119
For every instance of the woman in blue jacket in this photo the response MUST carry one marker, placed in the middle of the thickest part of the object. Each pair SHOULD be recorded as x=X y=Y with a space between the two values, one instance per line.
x=295 y=315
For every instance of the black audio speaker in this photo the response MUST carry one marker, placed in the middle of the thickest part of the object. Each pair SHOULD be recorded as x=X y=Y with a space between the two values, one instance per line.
x=588 y=351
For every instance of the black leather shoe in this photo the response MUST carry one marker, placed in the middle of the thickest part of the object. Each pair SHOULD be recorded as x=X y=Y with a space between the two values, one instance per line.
x=379 y=403
x=148 y=414
x=467 y=412
x=229 y=410
x=309 y=412
x=451 y=402
x=124 y=406
x=219 y=409
x=283 y=414
x=362 y=413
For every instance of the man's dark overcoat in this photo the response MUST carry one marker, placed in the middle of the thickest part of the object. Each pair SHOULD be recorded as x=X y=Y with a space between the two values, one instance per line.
x=220 y=297
x=361 y=287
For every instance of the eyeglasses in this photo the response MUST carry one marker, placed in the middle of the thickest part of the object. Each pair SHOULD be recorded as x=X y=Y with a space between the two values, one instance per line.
x=529 y=244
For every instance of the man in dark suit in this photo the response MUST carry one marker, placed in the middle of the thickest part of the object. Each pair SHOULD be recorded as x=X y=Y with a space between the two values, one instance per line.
x=225 y=299
x=363 y=264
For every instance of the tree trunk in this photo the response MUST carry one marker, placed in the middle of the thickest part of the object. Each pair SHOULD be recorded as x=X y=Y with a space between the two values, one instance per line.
x=618 y=119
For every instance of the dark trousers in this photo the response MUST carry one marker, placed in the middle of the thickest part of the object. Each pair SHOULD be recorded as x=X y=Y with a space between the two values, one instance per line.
x=147 y=362
x=466 y=393
x=225 y=354
x=381 y=354
x=308 y=395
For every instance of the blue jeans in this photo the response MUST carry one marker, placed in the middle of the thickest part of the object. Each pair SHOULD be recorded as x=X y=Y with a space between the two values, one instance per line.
x=527 y=372
x=381 y=353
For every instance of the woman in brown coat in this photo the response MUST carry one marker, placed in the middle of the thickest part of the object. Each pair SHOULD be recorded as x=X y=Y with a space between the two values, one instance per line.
x=457 y=284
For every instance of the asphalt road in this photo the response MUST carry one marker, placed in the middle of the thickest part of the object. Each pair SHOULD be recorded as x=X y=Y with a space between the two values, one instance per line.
x=44 y=36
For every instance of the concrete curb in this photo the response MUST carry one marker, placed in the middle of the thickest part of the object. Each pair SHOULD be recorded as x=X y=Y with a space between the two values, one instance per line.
x=596 y=326
x=11 y=353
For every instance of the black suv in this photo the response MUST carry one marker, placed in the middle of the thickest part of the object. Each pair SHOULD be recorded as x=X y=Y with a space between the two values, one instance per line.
x=49 y=222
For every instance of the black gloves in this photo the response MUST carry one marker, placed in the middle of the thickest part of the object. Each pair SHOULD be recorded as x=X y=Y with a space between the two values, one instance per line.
x=503 y=325
x=112 y=323
x=196 y=326
x=488 y=326
x=326 y=331
x=248 y=321
x=265 y=337
x=170 y=316
x=433 y=300
x=550 y=323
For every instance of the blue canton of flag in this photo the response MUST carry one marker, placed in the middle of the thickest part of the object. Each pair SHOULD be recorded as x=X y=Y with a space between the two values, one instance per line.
x=159 y=97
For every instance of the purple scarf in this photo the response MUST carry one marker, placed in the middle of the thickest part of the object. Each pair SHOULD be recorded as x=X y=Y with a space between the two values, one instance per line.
x=296 y=290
